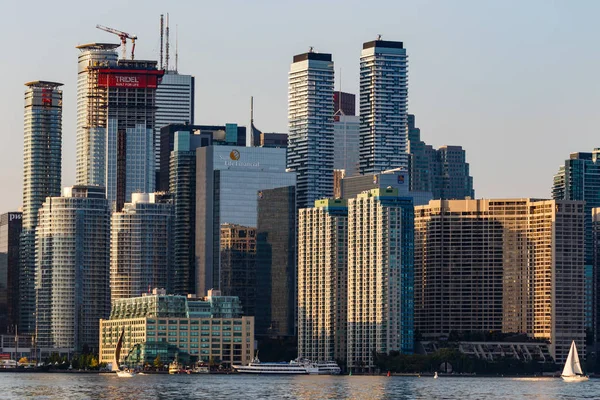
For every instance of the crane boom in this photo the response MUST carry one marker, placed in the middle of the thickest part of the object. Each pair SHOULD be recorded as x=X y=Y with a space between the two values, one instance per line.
x=123 y=36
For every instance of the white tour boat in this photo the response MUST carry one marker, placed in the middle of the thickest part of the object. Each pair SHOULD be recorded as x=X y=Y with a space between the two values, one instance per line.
x=328 y=368
x=294 y=367
x=572 y=371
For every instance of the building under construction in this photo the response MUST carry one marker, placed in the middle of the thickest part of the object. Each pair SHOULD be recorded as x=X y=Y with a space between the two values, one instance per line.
x=116 y=107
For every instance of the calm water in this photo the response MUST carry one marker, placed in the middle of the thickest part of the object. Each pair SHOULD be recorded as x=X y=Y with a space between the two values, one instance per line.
x=93 y=386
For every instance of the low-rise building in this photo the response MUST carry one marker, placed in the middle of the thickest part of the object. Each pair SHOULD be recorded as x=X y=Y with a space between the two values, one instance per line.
x=165 y=326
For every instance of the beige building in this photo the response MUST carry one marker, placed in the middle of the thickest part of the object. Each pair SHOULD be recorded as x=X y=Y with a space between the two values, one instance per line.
x=515 y=265
x=380 y=276
x=322 y=280
x=168 y=326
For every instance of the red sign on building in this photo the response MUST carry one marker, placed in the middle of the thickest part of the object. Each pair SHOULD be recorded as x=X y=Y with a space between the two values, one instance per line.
x=129 y=78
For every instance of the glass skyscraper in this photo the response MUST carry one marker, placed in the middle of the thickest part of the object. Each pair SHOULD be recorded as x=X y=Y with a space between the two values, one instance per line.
x=383 y=106
x=228 y=182
x=41 y=179
x=10 y=237
x=310 y=120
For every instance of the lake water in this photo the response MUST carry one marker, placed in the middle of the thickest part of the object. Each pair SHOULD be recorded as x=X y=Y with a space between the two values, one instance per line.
x=95 y=386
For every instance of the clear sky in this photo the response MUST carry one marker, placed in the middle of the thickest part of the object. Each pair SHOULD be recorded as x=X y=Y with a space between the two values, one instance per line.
x=514 y=82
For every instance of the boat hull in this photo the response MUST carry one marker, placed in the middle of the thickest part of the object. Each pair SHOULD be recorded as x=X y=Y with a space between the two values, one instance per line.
x=575 y=378
x=125 y=374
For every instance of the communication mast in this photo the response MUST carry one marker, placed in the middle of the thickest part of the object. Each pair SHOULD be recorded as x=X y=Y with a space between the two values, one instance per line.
x=167 y=45
x=124 y=36
x=162 y=31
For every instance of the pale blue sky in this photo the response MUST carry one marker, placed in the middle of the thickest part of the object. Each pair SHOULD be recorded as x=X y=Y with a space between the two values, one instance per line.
x=514 y=82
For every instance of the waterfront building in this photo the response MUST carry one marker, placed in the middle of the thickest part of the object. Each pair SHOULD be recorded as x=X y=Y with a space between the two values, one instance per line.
x=72 y=268
x=141 y=246
x=396 y=178
x=310 y=120
x=344 y=102
x=380 y=276
x=10 y=238
x=238 y=264
x=167 y=326
x=175 y=98
x=510 y=265
x=202 y=136
x=41 y=178
x=346 y=130
x=276 y=262
x=383 y=106
x=443 y=172
x=115 y=122
x=228 y=180
x=579 y=179
x=322 y=280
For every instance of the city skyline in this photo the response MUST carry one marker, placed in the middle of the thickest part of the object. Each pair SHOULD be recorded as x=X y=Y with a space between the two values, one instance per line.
x=501 y=85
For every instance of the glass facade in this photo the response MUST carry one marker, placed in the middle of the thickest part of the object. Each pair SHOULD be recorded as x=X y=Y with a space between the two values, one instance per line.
x=10 y=232
x=228 y=182
x=346 y=130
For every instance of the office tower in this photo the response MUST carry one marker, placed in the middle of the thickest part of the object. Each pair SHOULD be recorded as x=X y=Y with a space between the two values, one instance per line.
x=444 y=172
x=116 y=105
x=72 y=260
x=10 y=238
x=579 y=179
x=310 y=121
x=228 y=180
x=228 y=135
x=174 y=105
x=338 y=176
x=141 y=247
x=514 y=265
x=41 y=178
x=395 y=178
x=346 y=131
x=322 y=280
x=238 y=264
x=380 y=276
x=229 y=338
x=277 y=140
x=276 y=262
x=344 y=102
x=383 y=102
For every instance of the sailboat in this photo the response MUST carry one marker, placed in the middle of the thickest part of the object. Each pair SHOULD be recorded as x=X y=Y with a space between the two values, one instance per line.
x=115 y=363
x=572 y=371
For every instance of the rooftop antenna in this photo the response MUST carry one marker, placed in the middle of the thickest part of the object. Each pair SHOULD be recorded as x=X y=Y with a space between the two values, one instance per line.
x=167 y=45
x=176 y=46
x=251 y=111
x=162 y=31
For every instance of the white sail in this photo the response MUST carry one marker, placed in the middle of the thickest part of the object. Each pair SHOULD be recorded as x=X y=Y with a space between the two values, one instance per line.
x=576 y=364
x=568 y=370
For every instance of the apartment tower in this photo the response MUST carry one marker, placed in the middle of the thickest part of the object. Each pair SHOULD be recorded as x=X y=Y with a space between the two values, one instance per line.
x=310 y=120
x=383 y=106
x=41 y=179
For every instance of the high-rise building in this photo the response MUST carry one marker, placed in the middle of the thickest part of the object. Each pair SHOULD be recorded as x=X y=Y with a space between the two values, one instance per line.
x=514 y=265
x=238 y=264
x=443 y=172
x=228 y=180
x=344 y=102
x=579 y=179
x=395 y=178
x=10 y=238
x=115 y=122
x=380 y=276
x=210 y=135
x=72 y=276
x=310 y=120
x=174 y=105
x=276 y=262
x=346 y=131
x=141 y=247
x=383 y=106
x=323 y=280
x=41 y=179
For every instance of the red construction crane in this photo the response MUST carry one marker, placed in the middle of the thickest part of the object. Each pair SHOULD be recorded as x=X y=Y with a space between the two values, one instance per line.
x=123 y=36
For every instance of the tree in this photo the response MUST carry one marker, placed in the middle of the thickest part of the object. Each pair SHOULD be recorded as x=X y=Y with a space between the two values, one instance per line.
x=157 y=362
x=93 y=362
x=23 y=360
